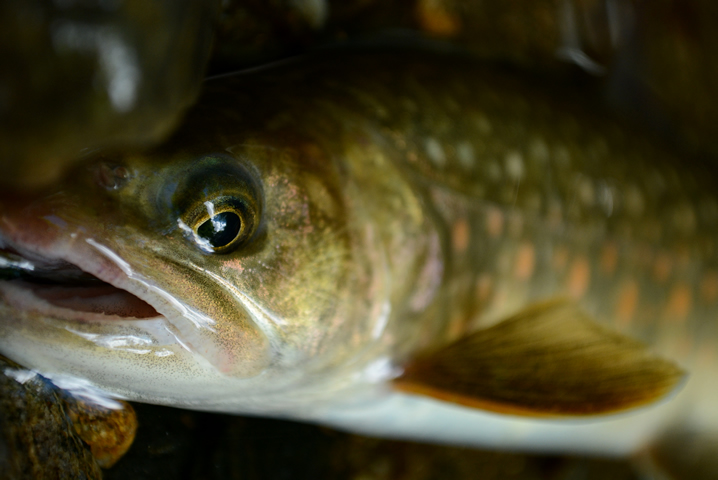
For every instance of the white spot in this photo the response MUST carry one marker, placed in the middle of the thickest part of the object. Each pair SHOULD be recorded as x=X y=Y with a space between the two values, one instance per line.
x=514 y=164
x=435 y=152
x=465 y=153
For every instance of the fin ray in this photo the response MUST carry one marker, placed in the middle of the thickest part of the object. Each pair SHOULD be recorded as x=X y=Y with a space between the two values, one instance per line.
x=549 y=359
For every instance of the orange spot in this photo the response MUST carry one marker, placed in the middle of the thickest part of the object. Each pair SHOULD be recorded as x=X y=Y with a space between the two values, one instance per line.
x=709 y=287
x=460 y=235
x=435 y=20
x=679 y=302
x=525 y=261
x=494 y=222
x=662 y=267
x=627 y=302
x=560 y=259
x=609 y=258
x=579 y=277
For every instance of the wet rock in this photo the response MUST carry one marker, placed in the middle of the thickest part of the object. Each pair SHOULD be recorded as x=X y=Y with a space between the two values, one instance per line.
x=37 y=439
x=108 y=432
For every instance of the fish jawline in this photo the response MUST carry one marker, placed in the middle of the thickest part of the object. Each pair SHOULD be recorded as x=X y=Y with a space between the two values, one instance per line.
x=47 y=293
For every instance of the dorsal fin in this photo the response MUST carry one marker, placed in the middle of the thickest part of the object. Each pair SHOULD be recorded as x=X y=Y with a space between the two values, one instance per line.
x=549 y=359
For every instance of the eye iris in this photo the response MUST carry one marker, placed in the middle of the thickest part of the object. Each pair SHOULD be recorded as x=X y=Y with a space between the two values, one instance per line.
x=221 y=229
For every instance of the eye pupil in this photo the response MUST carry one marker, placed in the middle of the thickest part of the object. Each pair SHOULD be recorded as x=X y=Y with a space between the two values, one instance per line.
x=221 y=229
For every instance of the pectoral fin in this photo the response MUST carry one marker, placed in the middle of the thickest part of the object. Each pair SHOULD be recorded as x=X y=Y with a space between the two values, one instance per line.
x=549 y=359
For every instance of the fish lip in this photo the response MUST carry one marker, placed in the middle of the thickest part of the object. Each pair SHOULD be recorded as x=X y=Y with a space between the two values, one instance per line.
x=90 y=261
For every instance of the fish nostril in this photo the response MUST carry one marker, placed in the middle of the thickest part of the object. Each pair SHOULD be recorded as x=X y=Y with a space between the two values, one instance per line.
x=111 y=176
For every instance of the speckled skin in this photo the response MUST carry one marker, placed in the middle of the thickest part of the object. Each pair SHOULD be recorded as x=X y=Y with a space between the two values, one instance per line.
x=402 y=199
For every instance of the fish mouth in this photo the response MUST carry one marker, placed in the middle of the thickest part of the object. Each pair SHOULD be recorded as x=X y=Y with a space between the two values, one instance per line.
x=58 y=287
x=65 y=296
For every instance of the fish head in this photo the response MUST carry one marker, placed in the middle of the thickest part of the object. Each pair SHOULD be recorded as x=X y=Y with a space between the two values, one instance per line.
x=180 y=273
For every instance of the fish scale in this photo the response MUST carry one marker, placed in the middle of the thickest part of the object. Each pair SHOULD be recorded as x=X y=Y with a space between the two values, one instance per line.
x=555 y=187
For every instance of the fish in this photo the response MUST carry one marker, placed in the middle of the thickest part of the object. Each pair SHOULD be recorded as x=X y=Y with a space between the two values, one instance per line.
x=398 y=244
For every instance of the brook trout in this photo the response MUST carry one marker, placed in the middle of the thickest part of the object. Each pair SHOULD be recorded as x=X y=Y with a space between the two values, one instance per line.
x=404 y=245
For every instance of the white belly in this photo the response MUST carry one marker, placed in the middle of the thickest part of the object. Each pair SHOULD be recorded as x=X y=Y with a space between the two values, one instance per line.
x=411 y=417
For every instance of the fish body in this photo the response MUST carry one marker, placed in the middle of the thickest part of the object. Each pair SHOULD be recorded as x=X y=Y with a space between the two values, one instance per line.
x=310 y=228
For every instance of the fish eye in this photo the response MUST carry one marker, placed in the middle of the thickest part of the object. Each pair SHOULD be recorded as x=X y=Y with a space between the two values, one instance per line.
x=221 y=225
x=216 y=202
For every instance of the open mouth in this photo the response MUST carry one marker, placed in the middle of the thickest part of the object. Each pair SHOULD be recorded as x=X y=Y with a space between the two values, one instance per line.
x=64 y=285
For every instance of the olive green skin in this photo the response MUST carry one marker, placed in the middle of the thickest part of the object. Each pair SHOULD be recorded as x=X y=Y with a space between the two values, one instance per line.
x=401 y=200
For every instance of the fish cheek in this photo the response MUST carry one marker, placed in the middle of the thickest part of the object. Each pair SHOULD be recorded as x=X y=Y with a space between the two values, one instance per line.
x=241 y=350
x=234 y=343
